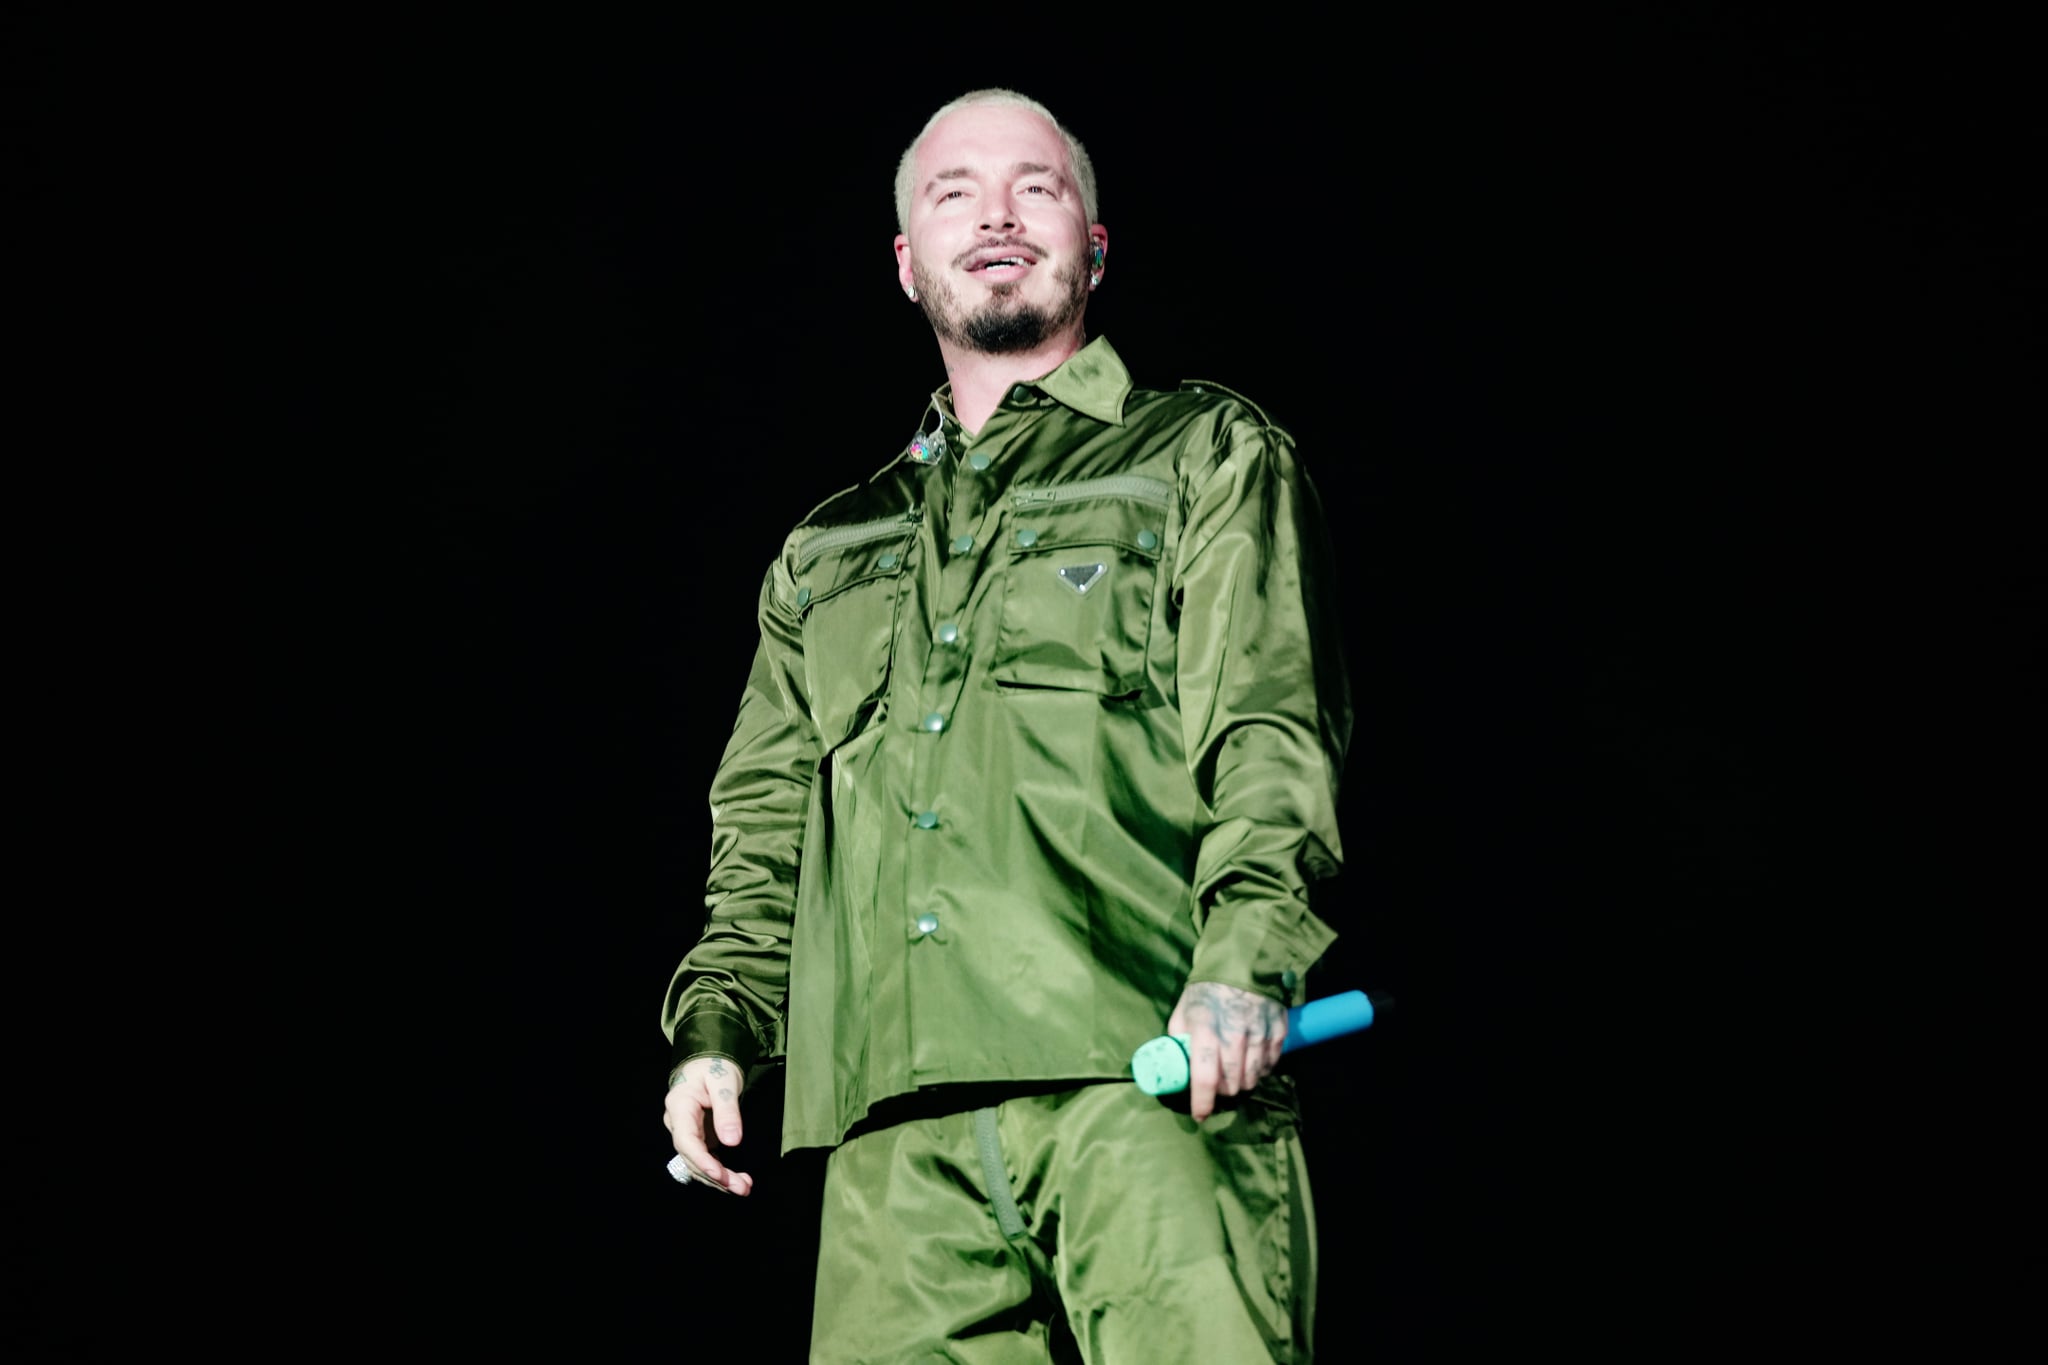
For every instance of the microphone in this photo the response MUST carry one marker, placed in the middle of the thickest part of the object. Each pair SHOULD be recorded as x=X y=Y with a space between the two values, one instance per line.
x=1160 y=1067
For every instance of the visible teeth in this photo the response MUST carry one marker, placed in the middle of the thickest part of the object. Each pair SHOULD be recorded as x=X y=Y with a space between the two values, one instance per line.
x=1007 y=260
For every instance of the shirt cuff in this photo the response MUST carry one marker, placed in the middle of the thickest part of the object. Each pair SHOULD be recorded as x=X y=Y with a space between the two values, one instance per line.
x=707 y=1033
x=1256 y=949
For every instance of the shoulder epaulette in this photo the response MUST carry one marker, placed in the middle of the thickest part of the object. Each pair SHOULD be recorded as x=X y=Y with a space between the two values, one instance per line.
x=1211 y=386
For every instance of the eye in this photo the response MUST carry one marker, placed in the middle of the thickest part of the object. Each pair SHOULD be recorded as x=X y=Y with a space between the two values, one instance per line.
x=952 y=194
x=1038 y=189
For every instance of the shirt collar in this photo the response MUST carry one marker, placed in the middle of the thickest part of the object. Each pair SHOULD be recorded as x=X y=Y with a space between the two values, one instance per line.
x=1092 y=381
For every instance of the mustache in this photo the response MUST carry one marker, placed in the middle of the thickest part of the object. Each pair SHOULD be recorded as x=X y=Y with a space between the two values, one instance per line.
x=1001 y=244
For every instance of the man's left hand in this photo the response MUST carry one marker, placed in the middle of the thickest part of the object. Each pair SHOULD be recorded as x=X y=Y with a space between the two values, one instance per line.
x=1234 y=1038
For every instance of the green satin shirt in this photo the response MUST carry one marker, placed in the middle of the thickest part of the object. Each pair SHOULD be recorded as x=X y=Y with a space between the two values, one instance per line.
x=1041 y=727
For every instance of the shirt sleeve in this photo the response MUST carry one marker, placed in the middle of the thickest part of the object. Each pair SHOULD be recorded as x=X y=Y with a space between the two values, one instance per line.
x=1266 y=711
x=728 y=996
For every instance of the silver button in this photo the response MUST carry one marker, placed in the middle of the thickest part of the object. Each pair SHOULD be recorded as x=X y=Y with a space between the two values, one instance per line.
x=962 y=544
x=935 y=722
x=1288 y=978
x=1027 y=537
x=978 y=460
x=949 y=633
x=1147 y=540
x=927 y=923
x=927 y=819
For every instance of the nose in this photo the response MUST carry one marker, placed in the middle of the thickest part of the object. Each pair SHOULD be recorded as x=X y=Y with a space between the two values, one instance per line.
x=998 y=212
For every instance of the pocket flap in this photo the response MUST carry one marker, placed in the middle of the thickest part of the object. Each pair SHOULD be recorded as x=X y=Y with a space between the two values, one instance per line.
x=835 y=558
x=1134 y=525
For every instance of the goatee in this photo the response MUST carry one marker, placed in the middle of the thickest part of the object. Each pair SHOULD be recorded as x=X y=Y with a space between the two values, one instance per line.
x=1000 y=327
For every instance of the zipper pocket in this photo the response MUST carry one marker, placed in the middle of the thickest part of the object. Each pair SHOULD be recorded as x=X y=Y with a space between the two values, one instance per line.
x=1134 y=486
x=839 y=537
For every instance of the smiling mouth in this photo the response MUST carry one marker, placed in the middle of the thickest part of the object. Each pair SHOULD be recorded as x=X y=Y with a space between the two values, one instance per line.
x=998 y=256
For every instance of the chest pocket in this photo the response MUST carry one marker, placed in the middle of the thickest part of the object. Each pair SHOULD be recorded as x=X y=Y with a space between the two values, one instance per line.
x=1083 y=568
x=847 y=580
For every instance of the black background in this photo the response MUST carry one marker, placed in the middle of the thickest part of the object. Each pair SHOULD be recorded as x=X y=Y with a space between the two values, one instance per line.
x=1667 y=382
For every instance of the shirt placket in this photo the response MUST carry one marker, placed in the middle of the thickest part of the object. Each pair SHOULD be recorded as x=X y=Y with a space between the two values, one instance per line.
x=952 y=723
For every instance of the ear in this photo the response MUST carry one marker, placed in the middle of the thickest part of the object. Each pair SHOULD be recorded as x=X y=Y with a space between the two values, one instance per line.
x=1098 y=247
x=903 y=260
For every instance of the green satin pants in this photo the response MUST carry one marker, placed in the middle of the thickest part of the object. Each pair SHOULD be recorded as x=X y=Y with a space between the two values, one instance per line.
x=1093 y=1224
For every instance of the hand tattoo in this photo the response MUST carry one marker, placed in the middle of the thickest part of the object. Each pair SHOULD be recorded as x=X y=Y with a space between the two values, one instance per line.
x=1231 y=1013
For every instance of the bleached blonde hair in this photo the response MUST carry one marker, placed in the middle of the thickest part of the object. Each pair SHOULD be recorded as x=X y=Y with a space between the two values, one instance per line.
x=1077 y=156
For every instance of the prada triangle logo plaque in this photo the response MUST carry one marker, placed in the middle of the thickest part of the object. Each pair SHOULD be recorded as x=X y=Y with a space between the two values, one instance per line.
x=1081 y=577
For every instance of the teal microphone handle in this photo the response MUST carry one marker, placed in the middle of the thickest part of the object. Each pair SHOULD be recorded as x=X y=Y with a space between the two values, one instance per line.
x=1160 y=1067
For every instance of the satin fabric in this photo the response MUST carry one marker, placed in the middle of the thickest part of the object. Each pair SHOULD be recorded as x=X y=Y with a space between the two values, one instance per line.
x=1143 y=1237
x=1039 y=730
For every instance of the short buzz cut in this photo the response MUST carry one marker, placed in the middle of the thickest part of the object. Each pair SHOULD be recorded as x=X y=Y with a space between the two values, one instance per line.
x=1077 y=156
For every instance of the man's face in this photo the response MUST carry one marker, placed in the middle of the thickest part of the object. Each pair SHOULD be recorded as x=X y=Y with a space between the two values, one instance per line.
x=1000 y=247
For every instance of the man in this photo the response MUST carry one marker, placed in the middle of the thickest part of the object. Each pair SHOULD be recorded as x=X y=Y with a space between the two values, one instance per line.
x=1037 y=757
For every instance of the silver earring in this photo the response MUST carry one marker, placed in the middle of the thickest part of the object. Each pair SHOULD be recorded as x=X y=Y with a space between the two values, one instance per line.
x=910 y=292
x=1094 y=280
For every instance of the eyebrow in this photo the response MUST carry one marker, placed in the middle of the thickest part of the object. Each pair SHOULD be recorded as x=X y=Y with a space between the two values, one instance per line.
x=964 y=173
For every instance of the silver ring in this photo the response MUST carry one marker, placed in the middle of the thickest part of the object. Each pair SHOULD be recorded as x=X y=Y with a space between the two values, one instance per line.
x=680 y=1169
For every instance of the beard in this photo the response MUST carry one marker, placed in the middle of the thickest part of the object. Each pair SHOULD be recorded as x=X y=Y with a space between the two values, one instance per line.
x=1003 y=325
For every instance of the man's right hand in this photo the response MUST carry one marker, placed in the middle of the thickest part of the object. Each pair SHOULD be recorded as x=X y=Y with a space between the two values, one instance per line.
x=707 y=1088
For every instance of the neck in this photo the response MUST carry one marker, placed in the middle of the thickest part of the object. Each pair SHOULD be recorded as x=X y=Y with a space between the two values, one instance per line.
x=980 y=380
